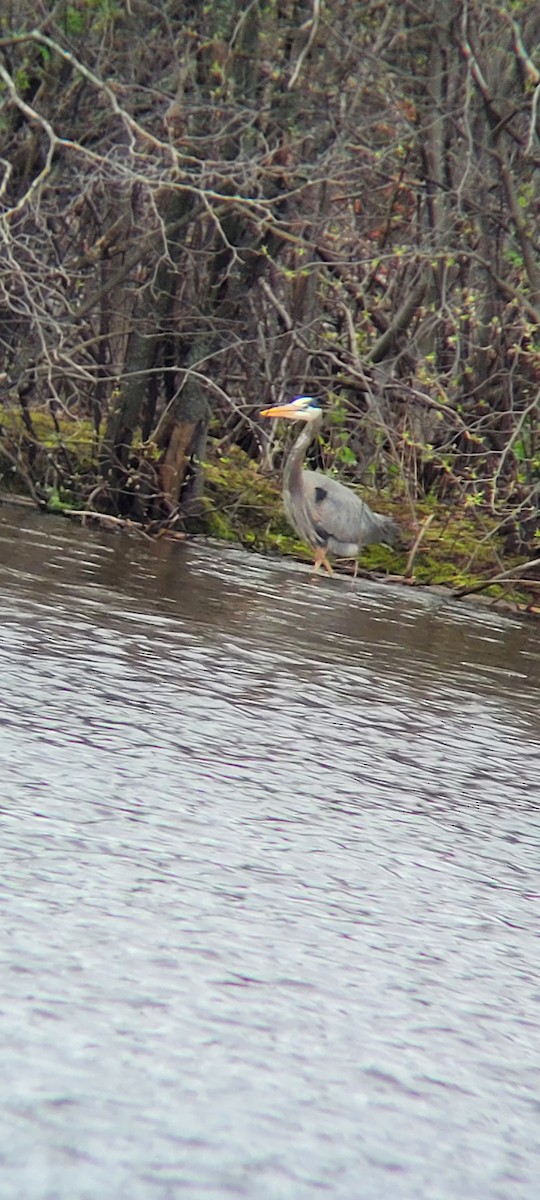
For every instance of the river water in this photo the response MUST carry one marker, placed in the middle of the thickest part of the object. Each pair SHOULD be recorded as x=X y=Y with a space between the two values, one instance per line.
x=270 y=875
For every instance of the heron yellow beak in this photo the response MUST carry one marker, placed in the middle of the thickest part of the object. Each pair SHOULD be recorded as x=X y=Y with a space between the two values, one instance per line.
x=281 y=410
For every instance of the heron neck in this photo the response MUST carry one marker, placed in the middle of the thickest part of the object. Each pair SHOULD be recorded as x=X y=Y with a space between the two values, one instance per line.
x=292 y=474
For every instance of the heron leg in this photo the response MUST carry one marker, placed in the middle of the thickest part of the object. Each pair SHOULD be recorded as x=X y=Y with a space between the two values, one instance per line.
x=321 y=561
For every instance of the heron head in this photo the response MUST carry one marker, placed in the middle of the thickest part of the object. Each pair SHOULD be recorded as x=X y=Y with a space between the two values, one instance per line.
x=302 y=408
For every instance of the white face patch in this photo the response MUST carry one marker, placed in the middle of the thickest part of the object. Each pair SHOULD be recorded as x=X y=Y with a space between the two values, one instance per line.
x=305 y=404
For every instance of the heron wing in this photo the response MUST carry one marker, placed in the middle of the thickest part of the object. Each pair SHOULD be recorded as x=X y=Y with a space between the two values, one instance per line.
x=340 y=513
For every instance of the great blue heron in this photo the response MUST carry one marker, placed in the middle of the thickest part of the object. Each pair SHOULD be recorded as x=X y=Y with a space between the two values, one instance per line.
x=326 y=514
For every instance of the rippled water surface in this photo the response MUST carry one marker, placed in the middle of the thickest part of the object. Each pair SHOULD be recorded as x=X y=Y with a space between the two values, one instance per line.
x=270 y=875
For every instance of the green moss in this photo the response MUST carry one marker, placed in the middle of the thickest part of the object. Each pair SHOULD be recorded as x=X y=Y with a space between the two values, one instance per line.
x=78 y=434
x=71 y=448
x=457 y=548
x=241 y=503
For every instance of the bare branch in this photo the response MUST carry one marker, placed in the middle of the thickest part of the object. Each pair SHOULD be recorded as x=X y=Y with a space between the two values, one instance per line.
x=312 y=25
x=513 y=573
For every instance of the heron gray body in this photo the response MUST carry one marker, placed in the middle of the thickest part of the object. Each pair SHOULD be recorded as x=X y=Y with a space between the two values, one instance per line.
x=327 y=515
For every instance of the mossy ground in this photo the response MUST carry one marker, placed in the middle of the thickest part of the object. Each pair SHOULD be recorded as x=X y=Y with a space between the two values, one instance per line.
x=76 y=435
x=58 y=455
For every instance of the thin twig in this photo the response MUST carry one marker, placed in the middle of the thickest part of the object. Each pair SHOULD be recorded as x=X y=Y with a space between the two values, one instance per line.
x=418 y=539
x=503 y=576
x=104 y=519
x=312 y=24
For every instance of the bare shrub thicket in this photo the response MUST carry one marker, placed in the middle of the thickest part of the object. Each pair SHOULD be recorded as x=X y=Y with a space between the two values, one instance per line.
x=207 y=206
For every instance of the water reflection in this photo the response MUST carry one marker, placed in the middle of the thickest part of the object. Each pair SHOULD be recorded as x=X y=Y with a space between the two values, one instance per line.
x=270 y=880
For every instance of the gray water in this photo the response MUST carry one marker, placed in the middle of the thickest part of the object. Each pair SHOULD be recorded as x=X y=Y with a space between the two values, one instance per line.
x=269 y=881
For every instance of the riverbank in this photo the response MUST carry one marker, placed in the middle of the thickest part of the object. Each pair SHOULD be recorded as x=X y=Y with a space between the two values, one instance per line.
x=452 y=547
